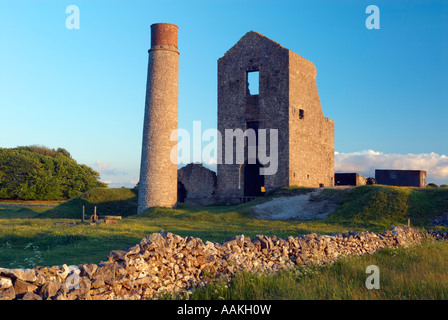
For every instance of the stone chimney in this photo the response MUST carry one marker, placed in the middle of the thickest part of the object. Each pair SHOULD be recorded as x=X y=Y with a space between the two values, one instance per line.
x=158 y=174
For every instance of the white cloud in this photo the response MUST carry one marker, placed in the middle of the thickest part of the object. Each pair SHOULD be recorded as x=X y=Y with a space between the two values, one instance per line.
x=365 y=162
x=105 y=169
x=101 y=166
x=115 y=178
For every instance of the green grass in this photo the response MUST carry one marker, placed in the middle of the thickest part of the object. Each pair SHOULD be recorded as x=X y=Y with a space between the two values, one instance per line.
x=118 y=202
x=7 y=212
x=55 y=242
x=50 y=240
x=416 y=273
x=47 y=236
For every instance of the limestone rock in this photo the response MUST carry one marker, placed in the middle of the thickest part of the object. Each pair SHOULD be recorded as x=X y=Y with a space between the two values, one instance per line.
x=22 y=287
x=50 y=289
x=30 y=296
x=5 y=283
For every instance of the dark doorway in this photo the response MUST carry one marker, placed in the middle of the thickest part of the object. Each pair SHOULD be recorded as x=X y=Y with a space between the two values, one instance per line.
x=181 y=192
x=253 y=180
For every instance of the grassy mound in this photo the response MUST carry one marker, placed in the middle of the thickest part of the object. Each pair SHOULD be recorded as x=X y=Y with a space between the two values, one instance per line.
x=379 y=207
x=111 y=202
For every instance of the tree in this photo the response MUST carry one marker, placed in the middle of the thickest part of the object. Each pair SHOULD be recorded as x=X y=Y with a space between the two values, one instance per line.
x=40 y=173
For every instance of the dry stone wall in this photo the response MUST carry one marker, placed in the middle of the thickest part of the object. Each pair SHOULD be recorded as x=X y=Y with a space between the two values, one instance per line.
x=168 y=263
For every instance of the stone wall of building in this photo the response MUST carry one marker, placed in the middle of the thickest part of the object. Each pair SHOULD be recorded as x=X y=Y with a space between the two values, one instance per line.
x=236 y=106
x=349 y=179
x=311 y=135
x=287 y=101
x=167 y=263
x=199 y=184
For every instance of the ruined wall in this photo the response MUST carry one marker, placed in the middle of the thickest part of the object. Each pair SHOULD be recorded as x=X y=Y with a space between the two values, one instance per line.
x=311 y=135
x=168 y=263
x=199 y=183
x=287 y=101
x=236 y=106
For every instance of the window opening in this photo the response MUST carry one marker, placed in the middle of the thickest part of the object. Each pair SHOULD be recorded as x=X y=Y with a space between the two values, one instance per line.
x=253 y=82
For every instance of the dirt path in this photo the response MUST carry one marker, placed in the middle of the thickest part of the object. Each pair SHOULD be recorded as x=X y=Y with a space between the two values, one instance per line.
x=300 y=207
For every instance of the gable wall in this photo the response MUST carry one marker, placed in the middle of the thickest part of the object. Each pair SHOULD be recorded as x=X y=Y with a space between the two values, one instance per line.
x=270 y=107
x=311 y=138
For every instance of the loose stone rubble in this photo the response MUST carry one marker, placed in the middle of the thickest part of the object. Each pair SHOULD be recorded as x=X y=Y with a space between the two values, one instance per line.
x=166 y=263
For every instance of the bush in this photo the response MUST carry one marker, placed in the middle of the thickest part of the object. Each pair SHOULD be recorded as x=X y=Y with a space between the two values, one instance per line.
x=40 y=173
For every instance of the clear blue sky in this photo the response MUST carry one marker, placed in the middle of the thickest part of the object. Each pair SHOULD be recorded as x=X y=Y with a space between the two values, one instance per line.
x=84 y=90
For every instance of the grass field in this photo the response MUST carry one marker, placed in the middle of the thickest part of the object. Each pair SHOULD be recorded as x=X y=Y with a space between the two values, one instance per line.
x=46 y=236
x=417 y=273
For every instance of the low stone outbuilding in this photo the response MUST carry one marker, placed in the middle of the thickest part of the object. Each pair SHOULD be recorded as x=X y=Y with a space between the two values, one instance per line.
x=401 y=178
x=349 y=179
x=196 y=185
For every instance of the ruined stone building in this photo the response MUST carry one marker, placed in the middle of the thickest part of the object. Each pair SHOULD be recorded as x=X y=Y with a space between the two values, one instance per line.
x=283 y=97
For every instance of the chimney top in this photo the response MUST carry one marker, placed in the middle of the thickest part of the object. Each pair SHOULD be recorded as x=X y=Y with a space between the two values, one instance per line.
x=164 y=35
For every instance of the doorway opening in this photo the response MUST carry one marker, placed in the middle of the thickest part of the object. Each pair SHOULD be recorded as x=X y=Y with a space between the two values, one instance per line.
x=181 y=192
x=253 y=180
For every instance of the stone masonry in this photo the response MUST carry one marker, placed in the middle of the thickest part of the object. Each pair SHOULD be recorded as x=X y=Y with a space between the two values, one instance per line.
x=158 y=174
x=288 y=101
x=198 y=183
x=165 y=263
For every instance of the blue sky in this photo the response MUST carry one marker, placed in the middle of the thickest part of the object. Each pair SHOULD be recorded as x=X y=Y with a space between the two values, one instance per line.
x=84 y=89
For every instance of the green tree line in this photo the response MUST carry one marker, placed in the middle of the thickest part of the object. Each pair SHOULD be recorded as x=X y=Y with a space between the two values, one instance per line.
x=41 y=173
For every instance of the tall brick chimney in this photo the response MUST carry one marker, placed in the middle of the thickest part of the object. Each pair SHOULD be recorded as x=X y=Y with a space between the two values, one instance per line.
x=158 y=174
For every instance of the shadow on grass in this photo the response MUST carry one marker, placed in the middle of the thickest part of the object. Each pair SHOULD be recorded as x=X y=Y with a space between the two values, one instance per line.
x=44 y=250
x=73 y=209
